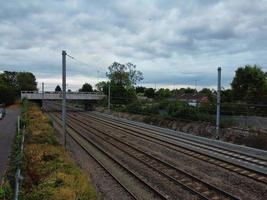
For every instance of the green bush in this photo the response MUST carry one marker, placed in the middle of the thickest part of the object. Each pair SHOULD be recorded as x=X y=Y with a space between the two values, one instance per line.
x=135 y=107
x=173 y=109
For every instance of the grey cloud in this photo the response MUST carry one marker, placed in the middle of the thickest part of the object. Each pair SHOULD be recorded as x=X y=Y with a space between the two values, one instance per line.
x=161 y=37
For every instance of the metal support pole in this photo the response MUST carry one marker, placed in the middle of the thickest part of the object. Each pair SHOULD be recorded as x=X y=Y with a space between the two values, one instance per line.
x=218 y=103
x=43 y=96
x=109 y=96
x=64 y=96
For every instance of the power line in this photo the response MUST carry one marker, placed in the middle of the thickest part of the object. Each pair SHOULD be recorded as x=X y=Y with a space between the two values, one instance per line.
x=84 y=63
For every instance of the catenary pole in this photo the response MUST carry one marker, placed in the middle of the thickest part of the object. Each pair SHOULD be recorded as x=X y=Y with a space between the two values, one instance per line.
x=218 y=103
x=43 y=95
x=64 y=95
x=109 y=96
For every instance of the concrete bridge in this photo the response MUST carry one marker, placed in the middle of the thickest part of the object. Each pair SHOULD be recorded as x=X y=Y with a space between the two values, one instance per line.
x=36 y=95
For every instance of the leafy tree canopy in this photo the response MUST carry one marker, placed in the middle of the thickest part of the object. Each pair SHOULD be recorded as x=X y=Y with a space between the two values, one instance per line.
x=163 y=93
x=249 y=84
x=140 y=89
x=58 y=89
x=102 y=87
x=124 y=75
x=26 y=81
x=150 y=92
x=122 y=78
x=86 y=88
x=209 y=93
x=12 y=83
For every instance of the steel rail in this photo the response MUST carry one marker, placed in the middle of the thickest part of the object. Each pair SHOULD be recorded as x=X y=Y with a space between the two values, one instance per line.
x=157 y=192
x=260 y=155
x=221 y=162
x=233 y=167
x=238 y=155
x=199 y=192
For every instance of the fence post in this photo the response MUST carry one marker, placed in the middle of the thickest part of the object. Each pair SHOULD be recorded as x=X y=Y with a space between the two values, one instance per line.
x=18 y=171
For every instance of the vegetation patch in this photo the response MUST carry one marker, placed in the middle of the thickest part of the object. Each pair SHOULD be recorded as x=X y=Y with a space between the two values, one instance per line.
x=8 y=185
x=48 y=172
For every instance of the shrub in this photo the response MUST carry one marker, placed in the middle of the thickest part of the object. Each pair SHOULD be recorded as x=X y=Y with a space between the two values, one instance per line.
x=48 y=171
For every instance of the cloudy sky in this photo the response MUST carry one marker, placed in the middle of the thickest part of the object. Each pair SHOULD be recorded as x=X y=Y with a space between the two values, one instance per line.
x=173 y=42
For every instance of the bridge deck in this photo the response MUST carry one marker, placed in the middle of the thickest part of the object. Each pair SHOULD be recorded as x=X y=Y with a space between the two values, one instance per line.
x=35 y=95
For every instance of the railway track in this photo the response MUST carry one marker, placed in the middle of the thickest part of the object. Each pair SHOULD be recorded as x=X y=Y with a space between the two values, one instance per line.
x=111 y=165
x=242 y=163
x=245 y=165
x=188 y=182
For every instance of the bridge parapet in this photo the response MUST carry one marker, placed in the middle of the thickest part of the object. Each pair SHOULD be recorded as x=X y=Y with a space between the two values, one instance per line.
x=36 y=95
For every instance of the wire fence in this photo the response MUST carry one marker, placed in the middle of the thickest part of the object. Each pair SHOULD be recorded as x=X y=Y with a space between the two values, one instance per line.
x=243 y=115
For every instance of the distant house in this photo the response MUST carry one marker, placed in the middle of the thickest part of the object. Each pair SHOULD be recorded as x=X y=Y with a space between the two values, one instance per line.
x=192 y=98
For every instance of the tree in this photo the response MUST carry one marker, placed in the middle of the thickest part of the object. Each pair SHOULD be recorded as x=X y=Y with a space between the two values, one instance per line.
x=140 y=89
x=102 y=87
x=209 y=93
x=26 y=81
x=150 y=93
x=58 y=89
x=86 y=88
x=163 y=93
x=7 y=94
x=122 y=78
x=124 y=75
x=226 y=95
x=187 y=91
x=249 y=84
x=12 y=83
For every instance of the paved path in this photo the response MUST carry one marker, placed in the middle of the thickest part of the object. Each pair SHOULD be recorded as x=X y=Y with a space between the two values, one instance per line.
x=7 y=133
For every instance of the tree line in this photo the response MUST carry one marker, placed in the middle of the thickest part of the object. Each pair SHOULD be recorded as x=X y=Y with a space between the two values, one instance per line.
x=249 y=85
x=12 y=83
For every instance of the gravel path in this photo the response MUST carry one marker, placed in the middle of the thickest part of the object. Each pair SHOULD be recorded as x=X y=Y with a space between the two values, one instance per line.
x=7 y=133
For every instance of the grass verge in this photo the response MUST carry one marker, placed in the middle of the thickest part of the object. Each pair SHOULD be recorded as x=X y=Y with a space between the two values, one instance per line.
x=48 y=172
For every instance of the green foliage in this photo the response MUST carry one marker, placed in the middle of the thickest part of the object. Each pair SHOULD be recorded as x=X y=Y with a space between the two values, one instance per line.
x=86 y=88
x=48 y=171
x=2 y=192
x=15 y=158
x=150 y=92
x=186 y=91
x=140 y=108
x=11 y=83
x=7 y=93
x=102 y=87
x=209 y=108
x=209 y=93
x=227 y=95
x=249 y=84
x=176 y=109
x=122 y=95
x=6 y=191
x=26 y=81
x=140 y=89
x=163 y=93
x=122 y=77
x=58 y=89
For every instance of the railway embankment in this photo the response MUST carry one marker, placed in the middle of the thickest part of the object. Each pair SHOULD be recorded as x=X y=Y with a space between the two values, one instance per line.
x=249 y=137
x=48 y=172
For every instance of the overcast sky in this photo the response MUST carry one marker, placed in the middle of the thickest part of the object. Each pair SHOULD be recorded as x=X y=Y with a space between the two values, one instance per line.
x=174 y=43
